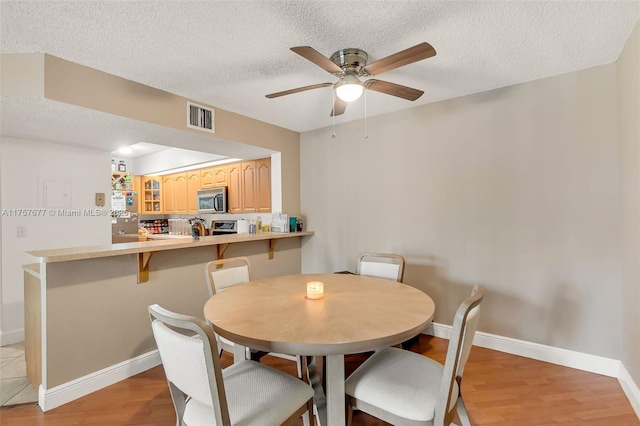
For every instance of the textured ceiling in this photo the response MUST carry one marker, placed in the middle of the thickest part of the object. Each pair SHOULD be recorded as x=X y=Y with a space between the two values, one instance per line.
x=230 y=54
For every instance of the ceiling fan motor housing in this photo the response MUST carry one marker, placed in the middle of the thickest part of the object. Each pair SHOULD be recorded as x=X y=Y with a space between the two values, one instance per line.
x=351 y=60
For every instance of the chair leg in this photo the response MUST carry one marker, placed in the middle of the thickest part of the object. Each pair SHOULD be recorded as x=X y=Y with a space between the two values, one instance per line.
x=462 y=412
x=307 y=418
x=299 y=366
x=349 y=411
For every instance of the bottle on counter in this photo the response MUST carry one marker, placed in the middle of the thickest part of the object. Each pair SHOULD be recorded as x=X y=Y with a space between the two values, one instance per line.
x=258 y=224
x=252 y=226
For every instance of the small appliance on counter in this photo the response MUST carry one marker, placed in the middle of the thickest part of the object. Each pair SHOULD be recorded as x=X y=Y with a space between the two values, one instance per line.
x=223 y=227
x=197 y=228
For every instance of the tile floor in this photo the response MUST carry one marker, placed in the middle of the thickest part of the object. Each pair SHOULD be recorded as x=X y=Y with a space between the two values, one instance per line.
x=14 y=385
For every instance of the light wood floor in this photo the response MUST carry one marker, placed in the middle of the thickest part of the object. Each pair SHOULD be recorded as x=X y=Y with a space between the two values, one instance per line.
x=499 y=389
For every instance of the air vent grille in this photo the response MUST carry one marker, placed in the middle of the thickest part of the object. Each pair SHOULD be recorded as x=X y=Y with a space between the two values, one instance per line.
x=201 y=118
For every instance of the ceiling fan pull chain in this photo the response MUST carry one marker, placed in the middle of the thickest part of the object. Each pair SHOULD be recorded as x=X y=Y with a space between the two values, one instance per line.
x=333 y=116
x=366 y=135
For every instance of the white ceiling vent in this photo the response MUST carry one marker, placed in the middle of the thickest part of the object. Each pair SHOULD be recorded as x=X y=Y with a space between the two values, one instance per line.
x=201 y=118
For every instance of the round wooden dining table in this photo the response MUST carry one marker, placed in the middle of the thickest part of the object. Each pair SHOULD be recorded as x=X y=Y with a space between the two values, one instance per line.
x=356 y=314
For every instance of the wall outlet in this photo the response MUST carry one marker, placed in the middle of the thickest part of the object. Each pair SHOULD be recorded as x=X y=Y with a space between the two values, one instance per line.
x=22 y=231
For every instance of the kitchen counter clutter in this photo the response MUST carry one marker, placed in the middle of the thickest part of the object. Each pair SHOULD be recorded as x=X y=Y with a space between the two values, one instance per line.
x=102 y=294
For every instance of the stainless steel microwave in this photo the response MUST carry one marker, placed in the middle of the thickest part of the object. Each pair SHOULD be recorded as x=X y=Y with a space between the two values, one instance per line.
x=212 y=200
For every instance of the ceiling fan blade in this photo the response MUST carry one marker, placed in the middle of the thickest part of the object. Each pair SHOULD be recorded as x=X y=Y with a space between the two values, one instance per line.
x=393 y=89
x=299 y=89
x=408 y=56
x=339 y=106
x=317 y=58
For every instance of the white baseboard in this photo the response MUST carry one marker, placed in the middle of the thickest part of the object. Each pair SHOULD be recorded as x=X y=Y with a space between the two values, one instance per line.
x=578 y=360
x=11 y=337
x=67 y=392
x=630 y=389
x=581 y=361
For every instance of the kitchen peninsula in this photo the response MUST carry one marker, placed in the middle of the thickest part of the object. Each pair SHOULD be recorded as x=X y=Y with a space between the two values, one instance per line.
x=86 y=321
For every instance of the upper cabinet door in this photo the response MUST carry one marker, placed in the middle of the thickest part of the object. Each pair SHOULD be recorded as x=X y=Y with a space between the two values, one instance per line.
x=234 y=194
x=263 y=185
x=181 y=193
x=221 y=176
x=249 y=177
x=206 y=177
x=151 y=194
x=169 y=194
x=193 y=185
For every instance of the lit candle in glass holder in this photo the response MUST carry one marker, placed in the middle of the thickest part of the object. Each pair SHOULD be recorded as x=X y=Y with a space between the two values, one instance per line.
x=315 y=290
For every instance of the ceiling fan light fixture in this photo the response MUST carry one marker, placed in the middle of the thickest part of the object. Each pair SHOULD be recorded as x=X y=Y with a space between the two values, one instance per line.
x=349 y=88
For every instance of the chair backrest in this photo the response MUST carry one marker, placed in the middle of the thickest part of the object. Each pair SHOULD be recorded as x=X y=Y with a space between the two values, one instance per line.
x=223 y=273
x=464 y=328
x=189 y=362
x=381 y=265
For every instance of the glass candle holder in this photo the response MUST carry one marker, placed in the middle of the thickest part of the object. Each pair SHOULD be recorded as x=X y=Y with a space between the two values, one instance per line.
x=315 y=290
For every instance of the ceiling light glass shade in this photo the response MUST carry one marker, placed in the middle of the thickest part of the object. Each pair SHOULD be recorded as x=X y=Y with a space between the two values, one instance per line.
x=349 y=88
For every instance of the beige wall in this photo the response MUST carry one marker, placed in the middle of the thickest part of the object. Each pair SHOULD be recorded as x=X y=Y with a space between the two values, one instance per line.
x=516 y=189
x=629 y=133
x=22 y=75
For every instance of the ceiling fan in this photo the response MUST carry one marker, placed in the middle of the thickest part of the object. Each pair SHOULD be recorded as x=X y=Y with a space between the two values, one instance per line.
x=351 y=64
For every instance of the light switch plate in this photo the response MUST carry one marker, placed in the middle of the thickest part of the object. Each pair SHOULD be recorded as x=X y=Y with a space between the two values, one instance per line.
x=100 y=199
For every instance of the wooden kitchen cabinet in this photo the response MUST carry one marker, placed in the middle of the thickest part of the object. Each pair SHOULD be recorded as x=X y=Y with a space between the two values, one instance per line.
x=168 y=194
x=249 y=196
x=248 y=182
x=137 y=187
x=181 y=193
x=175 y=193
x=193 y=185
x=263 y=185
x=214 y=177
x=221 y=176
x=250 y=186
x=206 y=177
x=150 y=196
x=234 y=193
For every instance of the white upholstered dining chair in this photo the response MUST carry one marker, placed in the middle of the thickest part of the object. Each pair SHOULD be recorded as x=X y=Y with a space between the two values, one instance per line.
x=388 y=266
x=382 y=265
x=224 y=273
x=406 y=388
x=245 y=393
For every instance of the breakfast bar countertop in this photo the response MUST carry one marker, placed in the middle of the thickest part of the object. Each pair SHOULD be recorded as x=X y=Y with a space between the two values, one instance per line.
x=108 y=250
